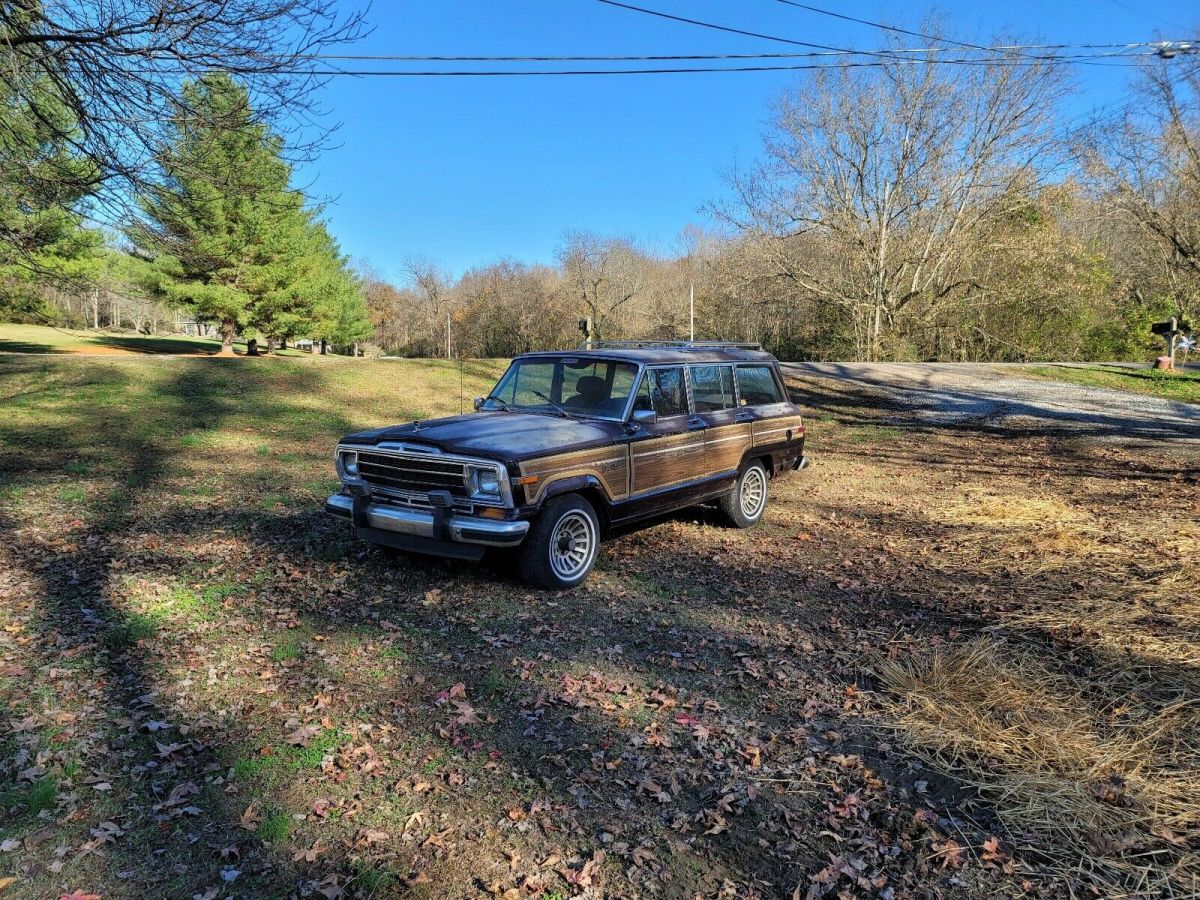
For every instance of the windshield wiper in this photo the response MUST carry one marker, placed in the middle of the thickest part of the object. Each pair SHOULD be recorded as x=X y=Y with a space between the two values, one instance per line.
x=562 y=412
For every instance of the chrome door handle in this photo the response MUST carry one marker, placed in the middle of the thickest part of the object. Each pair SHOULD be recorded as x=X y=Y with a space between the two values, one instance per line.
x=744 y=417
x=695 y=424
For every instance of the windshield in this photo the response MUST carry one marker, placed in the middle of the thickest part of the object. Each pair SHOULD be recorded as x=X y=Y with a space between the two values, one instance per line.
x=597 y=388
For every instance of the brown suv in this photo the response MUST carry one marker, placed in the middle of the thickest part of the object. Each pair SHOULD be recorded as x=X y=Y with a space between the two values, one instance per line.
x=571 y=444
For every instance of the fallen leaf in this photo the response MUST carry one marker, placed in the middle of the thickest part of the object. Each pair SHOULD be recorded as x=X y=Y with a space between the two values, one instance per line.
x=309 y=855
x=303 y=735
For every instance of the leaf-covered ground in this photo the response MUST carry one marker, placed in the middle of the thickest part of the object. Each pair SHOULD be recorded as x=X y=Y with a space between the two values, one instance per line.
x=948 y=663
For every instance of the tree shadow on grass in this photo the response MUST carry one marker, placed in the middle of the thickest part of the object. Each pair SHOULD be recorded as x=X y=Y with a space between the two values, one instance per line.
x=175 y=828
x=11 y=346
x=156 y=345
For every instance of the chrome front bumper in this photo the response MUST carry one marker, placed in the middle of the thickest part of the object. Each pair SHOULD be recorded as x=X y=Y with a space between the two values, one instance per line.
x=425 y=524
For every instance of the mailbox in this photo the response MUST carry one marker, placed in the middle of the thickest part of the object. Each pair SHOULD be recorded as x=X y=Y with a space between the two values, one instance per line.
x=1170 y=327
x=1166 y=329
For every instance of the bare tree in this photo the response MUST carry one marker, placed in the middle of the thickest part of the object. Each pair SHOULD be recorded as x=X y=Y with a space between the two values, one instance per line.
x=602 y=274
x=117 y=66
x=1146 y=169
x=877 y=182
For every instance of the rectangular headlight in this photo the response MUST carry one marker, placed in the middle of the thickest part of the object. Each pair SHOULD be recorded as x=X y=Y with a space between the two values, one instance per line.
x=485 y=481
x=348 y=463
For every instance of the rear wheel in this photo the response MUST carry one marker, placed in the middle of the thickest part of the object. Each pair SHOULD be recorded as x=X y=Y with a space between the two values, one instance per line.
x=744 y=505
x=561 y=546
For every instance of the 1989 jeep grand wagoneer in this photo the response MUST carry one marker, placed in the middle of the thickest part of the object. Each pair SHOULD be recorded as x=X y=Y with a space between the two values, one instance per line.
x=570 y=444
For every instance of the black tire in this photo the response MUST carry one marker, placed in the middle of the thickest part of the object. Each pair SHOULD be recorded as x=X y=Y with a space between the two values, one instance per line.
x=550 y=556
x=744 y=505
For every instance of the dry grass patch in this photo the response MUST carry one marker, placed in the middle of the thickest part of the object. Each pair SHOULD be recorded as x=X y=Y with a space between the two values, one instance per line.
x=1100 y=783
x=980 y=506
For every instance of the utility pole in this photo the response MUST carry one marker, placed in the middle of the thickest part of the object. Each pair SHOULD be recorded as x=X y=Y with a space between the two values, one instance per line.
x=692 y=312
x=447 y=335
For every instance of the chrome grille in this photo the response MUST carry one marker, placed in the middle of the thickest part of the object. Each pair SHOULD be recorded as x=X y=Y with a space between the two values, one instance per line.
x=410 y=472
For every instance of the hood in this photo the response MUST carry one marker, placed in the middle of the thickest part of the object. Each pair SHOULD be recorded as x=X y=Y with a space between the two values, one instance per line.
x=507 y=436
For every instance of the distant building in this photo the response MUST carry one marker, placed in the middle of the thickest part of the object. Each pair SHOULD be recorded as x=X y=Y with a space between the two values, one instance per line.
x=193 y=328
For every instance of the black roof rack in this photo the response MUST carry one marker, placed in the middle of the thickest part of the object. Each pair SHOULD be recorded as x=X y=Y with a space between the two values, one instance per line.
x=671 y=345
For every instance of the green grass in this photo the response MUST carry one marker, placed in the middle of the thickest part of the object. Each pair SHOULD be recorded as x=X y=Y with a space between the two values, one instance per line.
x=34 y=798
x=285 y=762
x=133 y=628
x=1178 y=385
x=289 y=648
x=216 y=594
x=72 y=494
x=275 y=828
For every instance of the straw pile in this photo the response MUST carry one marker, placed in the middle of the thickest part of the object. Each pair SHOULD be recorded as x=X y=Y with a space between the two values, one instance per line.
x=1095 y=776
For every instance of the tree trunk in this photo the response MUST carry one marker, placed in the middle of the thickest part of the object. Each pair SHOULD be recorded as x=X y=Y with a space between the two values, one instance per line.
x=283 y=343
x=252 y=347
x=322 y=346
x=228 y=327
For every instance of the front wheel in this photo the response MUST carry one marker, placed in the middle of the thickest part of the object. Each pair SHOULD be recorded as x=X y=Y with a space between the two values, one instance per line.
x=744 y=505
x=560 y=549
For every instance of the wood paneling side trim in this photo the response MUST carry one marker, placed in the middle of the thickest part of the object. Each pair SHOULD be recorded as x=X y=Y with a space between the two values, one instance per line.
x=608 y=465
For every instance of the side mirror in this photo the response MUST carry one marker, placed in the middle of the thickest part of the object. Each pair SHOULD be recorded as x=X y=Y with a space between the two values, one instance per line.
x=643 y=417
x=477 y=403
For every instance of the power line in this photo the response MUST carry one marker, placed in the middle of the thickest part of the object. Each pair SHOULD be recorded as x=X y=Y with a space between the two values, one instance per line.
x=519 y=73
x=880 y=25
x=1148 y=15
x=1003 y=48
x=887 y=54
x=730 y=30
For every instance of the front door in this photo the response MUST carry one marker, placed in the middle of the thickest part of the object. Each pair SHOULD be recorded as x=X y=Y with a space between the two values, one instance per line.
x=670 y=451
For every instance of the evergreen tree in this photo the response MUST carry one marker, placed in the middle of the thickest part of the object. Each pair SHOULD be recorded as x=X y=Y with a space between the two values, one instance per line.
x=226 y=227
x=42 y=184
x=340 y=301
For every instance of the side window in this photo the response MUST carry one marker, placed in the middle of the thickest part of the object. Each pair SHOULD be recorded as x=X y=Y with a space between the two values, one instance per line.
x=757 y=385
x=712 y=388
x=642 y=400
x=667 y=393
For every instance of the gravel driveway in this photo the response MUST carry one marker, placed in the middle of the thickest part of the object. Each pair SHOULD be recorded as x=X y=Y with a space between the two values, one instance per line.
x=1000 y=397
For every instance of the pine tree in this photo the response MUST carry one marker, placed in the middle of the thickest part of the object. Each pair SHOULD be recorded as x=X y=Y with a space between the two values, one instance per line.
x=226 y=227
x=42 y=184
x=341 y=303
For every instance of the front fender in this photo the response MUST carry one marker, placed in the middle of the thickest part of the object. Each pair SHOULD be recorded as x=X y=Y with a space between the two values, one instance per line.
x=574 y=484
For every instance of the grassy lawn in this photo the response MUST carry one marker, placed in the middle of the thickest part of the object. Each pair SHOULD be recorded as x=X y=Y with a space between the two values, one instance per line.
x=1178 y=385
x=43 y=339
x=946 y=663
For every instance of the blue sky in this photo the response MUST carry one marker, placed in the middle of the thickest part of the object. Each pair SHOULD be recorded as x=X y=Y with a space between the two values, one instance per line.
x=469 y=170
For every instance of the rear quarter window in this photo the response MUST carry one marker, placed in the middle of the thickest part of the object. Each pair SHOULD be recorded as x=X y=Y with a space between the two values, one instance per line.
x=757 y=386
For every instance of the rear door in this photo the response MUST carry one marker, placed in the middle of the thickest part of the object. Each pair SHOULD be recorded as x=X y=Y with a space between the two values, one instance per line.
x=728 y=432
